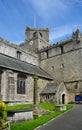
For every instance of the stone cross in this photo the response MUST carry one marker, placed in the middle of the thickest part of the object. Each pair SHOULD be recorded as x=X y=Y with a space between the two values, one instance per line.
x=35 y=96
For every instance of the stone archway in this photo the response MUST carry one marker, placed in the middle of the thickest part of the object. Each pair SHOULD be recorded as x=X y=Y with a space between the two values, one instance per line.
x=63 y=98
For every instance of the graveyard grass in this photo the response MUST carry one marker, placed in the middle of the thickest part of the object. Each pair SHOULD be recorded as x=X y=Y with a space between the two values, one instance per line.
x=20 y=107
x=31 y=124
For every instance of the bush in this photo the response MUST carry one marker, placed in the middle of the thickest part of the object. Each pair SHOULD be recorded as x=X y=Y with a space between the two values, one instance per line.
x=2 y=110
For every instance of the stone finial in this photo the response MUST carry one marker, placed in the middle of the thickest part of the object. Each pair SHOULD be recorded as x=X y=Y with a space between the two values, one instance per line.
x=77 y=30
x=27 y=28
x=77 y=35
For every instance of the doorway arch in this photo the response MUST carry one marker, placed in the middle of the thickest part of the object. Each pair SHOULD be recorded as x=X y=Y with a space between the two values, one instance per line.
x=63 y=98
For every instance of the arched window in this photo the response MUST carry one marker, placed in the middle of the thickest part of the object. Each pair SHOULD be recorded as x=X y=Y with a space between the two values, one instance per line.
x=19 y=55
x=40 y=34
x=21 y=78
x=34 y=34
x=37 y=33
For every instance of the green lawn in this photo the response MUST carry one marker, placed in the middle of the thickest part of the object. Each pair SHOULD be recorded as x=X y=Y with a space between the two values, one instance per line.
x=20 y=107
x=30 y=125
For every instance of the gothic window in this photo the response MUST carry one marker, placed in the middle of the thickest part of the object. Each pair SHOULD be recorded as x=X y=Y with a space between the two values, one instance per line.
x=21 y=84
x=18 y=55
x=34 y=34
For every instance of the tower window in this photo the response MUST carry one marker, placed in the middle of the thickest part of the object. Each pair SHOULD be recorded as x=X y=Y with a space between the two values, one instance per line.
x=34 y=34
x=18 y=55
x=37 y=33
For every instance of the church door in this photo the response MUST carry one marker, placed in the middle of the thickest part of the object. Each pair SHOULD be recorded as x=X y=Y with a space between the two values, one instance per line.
x=63 y=98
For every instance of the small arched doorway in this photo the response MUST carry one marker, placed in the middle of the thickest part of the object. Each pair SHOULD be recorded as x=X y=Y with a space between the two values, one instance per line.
x=63 y=98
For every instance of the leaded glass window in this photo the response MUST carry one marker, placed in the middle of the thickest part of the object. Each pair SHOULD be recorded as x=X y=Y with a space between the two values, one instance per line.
x=21 y=84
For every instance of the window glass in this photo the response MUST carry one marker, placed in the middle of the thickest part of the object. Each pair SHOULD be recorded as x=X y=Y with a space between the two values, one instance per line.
x=21 y=84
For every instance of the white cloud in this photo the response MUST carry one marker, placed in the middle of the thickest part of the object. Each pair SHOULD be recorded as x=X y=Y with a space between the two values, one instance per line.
x=63 y=31
x=73 y=2
x=48 y=8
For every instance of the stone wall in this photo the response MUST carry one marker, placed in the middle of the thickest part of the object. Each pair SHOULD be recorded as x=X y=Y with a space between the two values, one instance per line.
x=63 y=61
x=36 y=43
x=54 y=67
x=64 y=66
x=11 y=50
x=73 y=89
x=48 y=98
x=9 y=88
x=7 y=48
x=57 y=97
x=41 y=85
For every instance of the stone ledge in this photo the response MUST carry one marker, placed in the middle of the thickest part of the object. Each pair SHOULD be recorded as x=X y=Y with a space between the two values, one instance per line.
x=20 y=115
x=60 y=107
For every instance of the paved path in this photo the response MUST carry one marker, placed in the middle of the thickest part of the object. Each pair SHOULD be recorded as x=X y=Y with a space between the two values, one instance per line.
x=72 y=120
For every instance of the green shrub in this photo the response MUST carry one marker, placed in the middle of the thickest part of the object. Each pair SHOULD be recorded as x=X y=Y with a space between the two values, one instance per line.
x=2 y=111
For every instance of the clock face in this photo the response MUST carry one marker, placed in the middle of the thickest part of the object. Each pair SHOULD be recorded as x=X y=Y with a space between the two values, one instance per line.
x=31 y=42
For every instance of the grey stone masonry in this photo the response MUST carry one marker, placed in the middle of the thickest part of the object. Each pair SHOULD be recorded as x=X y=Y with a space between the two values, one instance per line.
x=53 y=63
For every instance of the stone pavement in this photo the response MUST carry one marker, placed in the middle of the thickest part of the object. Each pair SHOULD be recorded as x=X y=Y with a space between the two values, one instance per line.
x=71 y=120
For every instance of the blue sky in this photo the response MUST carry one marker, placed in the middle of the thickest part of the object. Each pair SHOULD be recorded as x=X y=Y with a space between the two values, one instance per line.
x=61 y=16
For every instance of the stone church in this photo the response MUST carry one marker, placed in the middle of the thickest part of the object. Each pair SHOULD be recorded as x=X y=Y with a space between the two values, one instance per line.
x=58 y=67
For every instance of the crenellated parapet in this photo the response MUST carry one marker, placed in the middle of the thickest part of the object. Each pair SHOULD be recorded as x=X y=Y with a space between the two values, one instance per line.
x=8 y=43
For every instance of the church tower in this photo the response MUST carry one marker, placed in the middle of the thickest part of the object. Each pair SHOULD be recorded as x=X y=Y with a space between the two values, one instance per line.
x=35 y=39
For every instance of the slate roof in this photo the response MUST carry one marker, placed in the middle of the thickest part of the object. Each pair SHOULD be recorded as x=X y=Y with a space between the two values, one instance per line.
x=11 y=63
x=50 y=88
